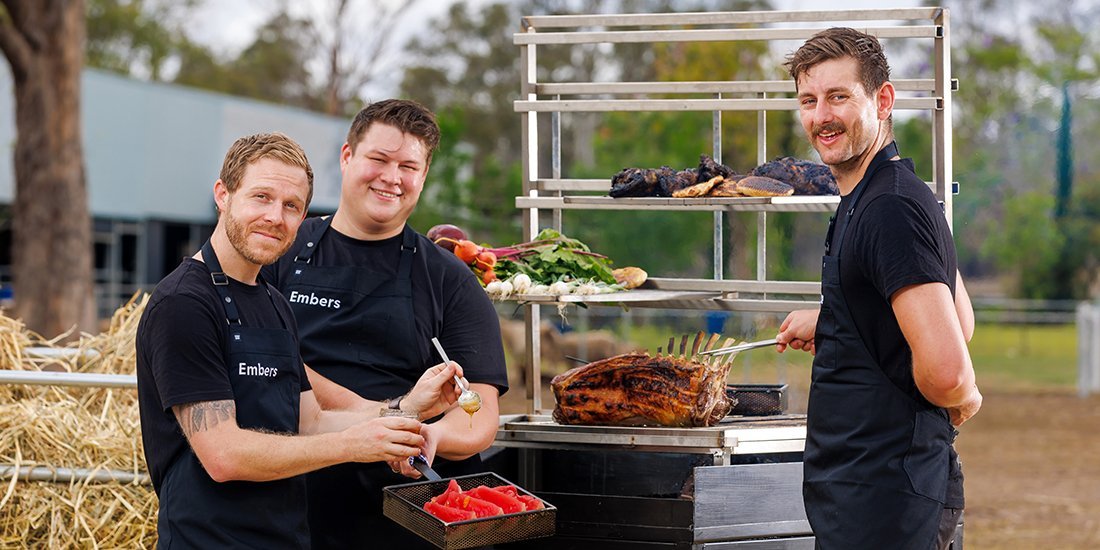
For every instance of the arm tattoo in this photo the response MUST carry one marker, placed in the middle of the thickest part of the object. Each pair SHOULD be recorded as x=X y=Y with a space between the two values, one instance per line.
x=204 y=415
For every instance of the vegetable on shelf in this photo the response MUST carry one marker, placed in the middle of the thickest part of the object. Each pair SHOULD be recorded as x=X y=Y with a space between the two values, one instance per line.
x=551 y=264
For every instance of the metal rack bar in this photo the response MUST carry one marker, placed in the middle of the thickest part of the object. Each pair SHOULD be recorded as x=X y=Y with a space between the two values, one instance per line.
x=602 y=185
x=941 y=121
x=727 y=104
x=815 y=203
x=728 y=17
x=71 y=475
x=707 y=35
x=76 y=379
x=709 y=87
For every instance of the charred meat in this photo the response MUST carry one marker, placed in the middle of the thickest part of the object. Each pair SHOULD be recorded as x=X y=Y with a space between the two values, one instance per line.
x=708 y=169
x=637 y=389
x=669 y=185
x=807 y=178
x=634 y=182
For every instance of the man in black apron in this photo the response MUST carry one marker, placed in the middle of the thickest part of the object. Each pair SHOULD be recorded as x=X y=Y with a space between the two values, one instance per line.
x=369 y=293
x=228 y=420
x=891 y=372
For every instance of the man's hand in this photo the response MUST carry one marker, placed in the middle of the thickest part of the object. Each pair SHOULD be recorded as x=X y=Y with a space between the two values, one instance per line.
x=431 y=439
x=963 y=412
x=797 y=331
x=389 y=439
x=435 y=392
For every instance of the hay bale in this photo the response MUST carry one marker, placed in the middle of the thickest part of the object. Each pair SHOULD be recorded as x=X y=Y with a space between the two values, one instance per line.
x=78 y=428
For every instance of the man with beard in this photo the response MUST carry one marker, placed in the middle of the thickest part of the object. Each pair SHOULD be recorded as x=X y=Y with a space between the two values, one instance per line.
x=229 y=422
x=369 y=294
x=892 y=374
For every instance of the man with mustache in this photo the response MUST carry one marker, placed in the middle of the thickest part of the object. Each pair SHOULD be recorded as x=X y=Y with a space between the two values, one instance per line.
x=229 y=421
x=892 y=375
x=369 y=294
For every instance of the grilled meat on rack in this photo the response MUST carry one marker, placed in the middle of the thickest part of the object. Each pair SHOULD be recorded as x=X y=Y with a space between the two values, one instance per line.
x=637 y=389
x=650 y=182
x=708 y=168
x=807 y=178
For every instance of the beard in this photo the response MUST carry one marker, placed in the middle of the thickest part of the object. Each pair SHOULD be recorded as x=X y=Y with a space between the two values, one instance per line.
x=859 y=141
x=238 y=232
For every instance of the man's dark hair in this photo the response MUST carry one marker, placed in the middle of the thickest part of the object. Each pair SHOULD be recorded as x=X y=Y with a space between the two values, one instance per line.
x=840 y=42
x=406 y=115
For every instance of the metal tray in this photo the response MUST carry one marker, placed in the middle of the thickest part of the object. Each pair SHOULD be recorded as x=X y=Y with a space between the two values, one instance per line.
x=405 y=505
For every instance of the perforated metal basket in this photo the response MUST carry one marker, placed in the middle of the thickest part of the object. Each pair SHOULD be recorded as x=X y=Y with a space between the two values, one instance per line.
x=405 y=505
x=757 y=399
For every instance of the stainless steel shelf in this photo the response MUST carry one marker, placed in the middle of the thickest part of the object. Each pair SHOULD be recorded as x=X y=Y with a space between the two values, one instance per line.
x=702 y=105
x=794 y=203
x=547 y=190
x=727 y=17
x=707 y=35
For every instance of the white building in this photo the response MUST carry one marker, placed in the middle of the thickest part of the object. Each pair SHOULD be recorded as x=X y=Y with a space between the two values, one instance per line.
x=152 y=152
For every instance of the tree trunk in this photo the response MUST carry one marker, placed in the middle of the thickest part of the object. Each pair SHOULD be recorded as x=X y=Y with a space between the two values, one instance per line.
x=51 y=225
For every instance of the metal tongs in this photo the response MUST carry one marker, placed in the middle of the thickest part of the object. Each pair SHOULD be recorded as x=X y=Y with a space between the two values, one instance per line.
x=739 y=347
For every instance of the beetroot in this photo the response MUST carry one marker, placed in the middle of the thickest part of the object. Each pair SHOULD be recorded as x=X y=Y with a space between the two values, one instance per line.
x=446 y=235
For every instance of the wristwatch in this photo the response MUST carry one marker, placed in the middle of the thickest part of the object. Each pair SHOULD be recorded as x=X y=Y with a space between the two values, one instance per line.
x=395 y=403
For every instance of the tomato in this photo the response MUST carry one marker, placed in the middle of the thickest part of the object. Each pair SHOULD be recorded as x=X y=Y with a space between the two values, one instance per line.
x=447 y=513
x=507 y=503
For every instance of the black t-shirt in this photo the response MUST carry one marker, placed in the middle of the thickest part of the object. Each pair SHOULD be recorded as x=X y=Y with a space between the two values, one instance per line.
x=181 y=342
x=899 y=237
x=448 y=302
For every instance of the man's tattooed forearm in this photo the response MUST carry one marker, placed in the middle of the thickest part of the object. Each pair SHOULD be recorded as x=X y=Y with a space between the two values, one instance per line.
x=204 y=415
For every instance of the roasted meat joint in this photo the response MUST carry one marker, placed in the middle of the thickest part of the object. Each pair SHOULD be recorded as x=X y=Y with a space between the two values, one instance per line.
x=639 y=389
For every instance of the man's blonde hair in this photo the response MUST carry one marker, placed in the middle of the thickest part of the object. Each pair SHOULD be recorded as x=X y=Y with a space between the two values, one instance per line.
x=249 y=149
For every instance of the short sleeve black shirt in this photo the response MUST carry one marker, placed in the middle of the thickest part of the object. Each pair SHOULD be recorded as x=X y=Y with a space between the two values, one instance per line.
x=448 y=302
x=181 y=340
x=899 y=237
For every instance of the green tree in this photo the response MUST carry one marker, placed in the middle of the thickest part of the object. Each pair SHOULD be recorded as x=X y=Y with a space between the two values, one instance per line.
x=1026 y=250
x=135 y=37
x=1011 y=69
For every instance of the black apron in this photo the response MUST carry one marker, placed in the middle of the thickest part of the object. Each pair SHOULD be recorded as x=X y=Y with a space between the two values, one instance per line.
x=369 y=345
x=876 y=459
x=264 y=370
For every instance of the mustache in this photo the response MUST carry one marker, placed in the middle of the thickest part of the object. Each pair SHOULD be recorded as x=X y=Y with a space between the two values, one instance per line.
x=271 y=230
x=828 y=127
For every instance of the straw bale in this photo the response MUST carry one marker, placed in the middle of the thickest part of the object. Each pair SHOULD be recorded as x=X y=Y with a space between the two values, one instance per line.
x=78 y=428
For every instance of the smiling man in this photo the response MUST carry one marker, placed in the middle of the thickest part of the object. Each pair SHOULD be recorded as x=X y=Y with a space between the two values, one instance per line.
x=369 y=293
x=891 y=371
x=228 y=420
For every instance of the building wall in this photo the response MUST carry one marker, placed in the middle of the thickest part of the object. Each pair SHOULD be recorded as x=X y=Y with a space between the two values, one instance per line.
x=153 y=151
